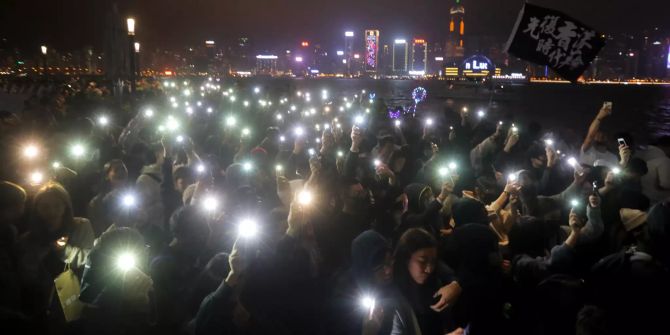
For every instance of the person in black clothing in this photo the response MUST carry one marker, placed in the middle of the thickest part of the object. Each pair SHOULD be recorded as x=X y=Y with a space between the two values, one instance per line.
x=427 y=286
x=175 y=270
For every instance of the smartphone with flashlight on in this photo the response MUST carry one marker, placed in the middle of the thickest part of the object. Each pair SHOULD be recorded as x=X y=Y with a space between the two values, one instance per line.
x=607 y=104
x=621 y=141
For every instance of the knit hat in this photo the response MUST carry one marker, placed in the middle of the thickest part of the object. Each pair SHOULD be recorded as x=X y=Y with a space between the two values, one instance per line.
x=632 y=218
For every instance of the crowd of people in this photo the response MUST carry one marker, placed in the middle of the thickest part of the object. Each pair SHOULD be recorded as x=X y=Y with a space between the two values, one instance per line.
x=215 y=207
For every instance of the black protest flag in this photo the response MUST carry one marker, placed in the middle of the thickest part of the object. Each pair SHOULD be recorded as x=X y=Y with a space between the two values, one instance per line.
x=549 y=37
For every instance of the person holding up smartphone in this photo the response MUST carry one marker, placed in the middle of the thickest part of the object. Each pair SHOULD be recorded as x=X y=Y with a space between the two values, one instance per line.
x=594 y=147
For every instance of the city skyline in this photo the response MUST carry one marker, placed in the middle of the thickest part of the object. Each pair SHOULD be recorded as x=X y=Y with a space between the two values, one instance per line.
x=165 y=24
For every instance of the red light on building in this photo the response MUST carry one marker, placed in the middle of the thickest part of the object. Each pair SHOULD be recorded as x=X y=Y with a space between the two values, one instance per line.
x=304 y=44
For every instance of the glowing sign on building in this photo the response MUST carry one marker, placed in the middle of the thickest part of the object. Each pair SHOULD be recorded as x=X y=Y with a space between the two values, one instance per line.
x=477 y=65
x=667 y=65
x=371 y=50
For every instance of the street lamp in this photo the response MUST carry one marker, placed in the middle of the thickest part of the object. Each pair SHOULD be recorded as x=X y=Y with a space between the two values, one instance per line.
x=43 y=48
x=131 y=40
x=131 y=26
x=136 y=69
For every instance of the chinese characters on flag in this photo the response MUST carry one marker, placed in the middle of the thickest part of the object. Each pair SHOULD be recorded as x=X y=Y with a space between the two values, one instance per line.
x=548 y=37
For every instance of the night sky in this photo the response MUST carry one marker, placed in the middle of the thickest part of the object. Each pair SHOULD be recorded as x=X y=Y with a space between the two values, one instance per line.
x=71 y=24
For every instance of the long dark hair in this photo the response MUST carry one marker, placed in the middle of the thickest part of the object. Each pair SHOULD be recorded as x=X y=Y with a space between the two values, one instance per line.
x=52 y=188
x=411 y=241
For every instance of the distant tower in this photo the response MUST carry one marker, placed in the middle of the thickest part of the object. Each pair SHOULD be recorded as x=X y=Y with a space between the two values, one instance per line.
x=400 y=55
x=349 y=49
x=371 y=50
x=419 y=56
x=455 y=48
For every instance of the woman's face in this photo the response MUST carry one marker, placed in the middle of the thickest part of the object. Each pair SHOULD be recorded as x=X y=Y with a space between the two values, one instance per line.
x=50 y=208
x=422 y=264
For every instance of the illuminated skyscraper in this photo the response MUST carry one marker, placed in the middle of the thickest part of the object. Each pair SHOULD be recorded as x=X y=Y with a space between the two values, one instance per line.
x=455 y=46
x=348 y=49
x=371 y=50
x=419 y=56
x=400 y=55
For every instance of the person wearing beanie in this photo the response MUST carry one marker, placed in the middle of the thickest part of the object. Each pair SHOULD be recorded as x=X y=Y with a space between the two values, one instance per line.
x=630 y=285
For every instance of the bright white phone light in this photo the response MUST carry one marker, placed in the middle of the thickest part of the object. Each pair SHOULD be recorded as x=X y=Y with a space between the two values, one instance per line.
x=305 y=198
x=368 y=302
x=78 y=150
x=247 y=228
x=103 y=121
x=429 y=122
x=31 y=151
x=549 y=142
x=210 y=203
x=128 y=200
x=148 y=113
x=126 y=261
x=572 y=161
x=36 y=177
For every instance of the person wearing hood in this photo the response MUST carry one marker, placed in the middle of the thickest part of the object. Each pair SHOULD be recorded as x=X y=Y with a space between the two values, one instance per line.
x=12 y=209
x=369 y=276
x=176 y=268
x=479 y=273
x=115 y=290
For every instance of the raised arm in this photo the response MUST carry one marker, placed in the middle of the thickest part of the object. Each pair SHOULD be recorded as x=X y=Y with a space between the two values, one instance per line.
x=594 y=227
x=604 y=112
